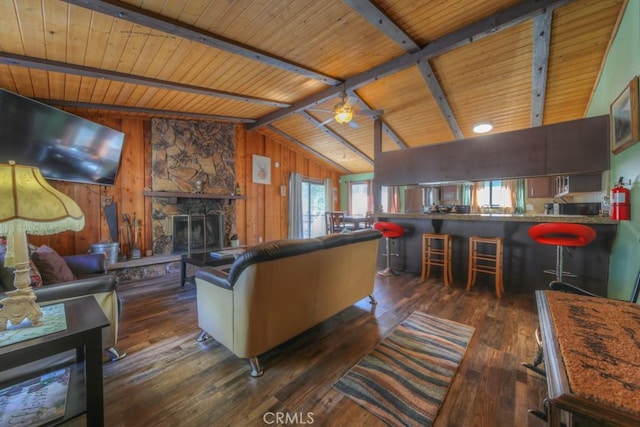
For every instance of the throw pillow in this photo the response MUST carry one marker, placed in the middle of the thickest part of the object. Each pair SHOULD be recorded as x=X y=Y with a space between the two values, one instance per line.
x=52 y=267
x=36 y=278
x=6 y=274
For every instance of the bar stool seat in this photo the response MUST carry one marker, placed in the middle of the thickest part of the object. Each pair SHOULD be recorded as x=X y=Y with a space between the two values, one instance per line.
x=436 y=254
x=389 y=231
x=562 y=235
x=485 y=262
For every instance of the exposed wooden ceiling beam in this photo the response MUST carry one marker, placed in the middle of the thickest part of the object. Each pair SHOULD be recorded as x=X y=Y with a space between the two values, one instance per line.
x=97 y=73
x=541 y=41
x=337 y=137
x=438 y=94
x=147 y=18
x=386 y=129
x=378 y=18
x=308 y=149
x=137 y=110
x=502 y=20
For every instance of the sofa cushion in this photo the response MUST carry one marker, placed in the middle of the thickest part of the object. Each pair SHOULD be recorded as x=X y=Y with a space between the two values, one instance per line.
x=52 y=267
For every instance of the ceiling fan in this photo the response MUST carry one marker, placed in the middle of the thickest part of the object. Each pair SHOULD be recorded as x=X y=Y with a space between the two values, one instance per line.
x=344 y=111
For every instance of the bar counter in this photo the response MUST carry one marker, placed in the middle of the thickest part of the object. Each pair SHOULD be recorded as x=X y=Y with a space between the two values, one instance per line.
x=524 y=260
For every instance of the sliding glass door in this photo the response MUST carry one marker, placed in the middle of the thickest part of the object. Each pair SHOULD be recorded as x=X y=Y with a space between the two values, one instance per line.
x=313 y=208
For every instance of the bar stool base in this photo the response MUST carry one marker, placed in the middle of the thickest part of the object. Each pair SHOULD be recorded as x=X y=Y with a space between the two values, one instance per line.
x=387 y=272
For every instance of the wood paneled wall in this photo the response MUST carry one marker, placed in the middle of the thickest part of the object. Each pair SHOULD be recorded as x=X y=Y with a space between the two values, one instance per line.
x=262 y=215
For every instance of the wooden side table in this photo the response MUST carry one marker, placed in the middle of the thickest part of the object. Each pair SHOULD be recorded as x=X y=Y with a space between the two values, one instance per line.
x=85 y=321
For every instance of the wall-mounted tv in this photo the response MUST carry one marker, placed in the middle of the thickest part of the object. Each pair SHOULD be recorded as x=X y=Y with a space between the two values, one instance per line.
x=65 y=147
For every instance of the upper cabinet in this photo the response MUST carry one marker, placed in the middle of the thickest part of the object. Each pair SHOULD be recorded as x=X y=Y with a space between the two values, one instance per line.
x=568 y=184
x=542 y=186
x=557 y=186
x=576 y=147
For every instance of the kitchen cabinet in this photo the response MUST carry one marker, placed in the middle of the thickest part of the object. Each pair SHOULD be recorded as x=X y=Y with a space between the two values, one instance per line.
x=575 y=147
x=568 y=184
x=542 y=186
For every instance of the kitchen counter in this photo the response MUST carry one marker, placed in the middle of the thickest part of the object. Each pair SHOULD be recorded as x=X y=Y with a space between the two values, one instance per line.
x=524 y=259
x=577 y=219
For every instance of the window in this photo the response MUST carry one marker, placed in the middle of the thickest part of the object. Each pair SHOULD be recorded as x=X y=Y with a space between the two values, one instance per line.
x=359 y=198
x=313 y=208
x=507 y=195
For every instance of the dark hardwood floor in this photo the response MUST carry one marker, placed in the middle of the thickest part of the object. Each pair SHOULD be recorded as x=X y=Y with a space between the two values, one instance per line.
x=169 y=379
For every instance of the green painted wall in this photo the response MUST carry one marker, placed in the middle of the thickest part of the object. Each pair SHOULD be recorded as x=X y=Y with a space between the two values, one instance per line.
x=621 y=65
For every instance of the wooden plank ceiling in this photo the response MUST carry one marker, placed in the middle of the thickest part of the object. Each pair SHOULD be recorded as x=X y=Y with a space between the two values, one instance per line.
x=433 y=67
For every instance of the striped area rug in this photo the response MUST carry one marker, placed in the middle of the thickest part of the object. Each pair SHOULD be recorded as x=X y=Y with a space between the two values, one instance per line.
x=405 y=379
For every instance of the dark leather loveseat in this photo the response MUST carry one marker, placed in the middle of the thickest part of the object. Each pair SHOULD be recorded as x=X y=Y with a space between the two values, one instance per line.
x=92 y=279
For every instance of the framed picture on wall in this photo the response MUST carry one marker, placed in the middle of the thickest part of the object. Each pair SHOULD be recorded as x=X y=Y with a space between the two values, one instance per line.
x=261 y=170
x=623 y=115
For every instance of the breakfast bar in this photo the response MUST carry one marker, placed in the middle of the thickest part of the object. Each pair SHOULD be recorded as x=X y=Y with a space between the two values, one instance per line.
x=524 y=260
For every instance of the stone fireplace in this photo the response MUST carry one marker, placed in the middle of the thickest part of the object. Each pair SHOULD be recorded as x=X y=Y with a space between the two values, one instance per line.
x=192 y=157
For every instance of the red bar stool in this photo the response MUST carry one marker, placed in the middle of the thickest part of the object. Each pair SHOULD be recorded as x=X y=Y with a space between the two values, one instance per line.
x=562 y=235
x=389 y=231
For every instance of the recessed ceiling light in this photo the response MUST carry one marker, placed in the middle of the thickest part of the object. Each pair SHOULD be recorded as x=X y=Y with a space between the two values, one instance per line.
x=482 y=127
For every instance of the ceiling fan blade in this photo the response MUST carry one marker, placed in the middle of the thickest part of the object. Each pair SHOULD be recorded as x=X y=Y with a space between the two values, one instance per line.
x=327 y=121
x=354 y=124
x=370 y=112
x=319 y=109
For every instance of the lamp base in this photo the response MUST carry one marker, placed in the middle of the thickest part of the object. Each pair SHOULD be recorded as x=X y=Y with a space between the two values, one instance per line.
x=19 y=305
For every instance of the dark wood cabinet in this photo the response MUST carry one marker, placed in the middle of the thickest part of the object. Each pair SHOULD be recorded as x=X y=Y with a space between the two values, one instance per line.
x=542 y=186
x=576 y=147
x=568 y=184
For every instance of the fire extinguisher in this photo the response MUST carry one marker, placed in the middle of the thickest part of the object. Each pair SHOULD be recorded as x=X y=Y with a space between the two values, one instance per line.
x=620 y=202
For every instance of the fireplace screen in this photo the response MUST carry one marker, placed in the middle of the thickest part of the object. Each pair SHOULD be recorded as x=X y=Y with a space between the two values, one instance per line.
x=197 y=233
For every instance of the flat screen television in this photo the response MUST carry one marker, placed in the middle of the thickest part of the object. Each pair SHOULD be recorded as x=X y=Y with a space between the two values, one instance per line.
x=65 y=147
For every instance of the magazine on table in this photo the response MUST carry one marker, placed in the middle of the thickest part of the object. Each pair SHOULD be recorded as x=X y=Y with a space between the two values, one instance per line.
x=36 y=401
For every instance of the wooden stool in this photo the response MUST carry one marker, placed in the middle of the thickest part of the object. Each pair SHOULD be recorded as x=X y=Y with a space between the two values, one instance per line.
x=482 y=262
x=438 y=255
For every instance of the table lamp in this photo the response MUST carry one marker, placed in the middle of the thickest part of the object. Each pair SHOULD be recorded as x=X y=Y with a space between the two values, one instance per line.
x=29 y=204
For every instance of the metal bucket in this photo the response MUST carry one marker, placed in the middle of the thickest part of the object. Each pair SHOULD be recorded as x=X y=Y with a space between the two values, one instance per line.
x=109 y=249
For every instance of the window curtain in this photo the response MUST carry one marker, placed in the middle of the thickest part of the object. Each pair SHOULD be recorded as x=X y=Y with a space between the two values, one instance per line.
x=328 y=199
x=476 y=192
x=509 y=186
x=370 y=196
x=393 y=201
x=520 y=202
x=516 y=190
x=295 y=206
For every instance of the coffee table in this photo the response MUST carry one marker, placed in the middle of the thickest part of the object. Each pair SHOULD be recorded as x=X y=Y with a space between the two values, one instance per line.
x=201 y=259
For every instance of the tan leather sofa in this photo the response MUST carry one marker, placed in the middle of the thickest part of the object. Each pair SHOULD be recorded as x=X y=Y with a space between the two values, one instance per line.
x=276 y=290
